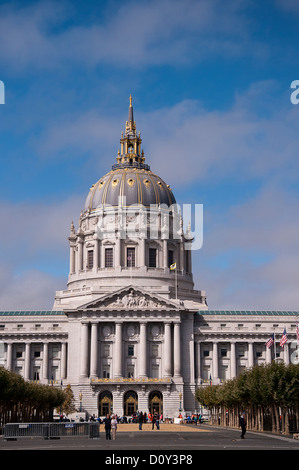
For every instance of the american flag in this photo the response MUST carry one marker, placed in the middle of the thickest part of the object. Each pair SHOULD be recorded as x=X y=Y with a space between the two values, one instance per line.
x=270 y=341
x=284 y=338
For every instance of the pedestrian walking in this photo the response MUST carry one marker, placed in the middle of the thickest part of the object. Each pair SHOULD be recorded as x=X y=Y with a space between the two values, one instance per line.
x=107 y=422
x=113 y=427
x=242 y=423
x=153 y=421
x=158 y=423
x=141 y=420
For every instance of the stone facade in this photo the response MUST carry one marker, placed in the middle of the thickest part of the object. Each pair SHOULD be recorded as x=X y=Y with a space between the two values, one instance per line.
x=129 y=333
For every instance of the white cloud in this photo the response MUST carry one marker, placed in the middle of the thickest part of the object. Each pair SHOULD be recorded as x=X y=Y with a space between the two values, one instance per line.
x=134 y=34
x=243 y=142
x=33 y=290
x=35 y=235
x=259 y=242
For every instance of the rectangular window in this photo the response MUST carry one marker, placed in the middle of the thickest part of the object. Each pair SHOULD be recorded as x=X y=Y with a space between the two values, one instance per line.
x=155 y=371
x=130 y=371
x=54 y=373
x=90 y=259
x=170 y=257
x=223 y=352
x=130 y=257
x=224 y=373
x=155 y=350
x=152 y=258
x=19 y=353
x=106 y=350
x=106 y=371
x=109 y=258
x=131 y=350
x=54 y=352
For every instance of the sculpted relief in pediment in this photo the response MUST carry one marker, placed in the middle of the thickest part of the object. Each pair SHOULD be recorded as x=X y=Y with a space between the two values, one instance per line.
x=133 y=299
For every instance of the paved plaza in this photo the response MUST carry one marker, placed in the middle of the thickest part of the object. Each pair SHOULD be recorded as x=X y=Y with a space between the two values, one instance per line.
x=173 y=439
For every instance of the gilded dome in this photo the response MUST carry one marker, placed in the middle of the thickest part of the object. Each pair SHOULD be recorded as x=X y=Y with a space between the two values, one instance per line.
x=133 y=186
x=130 y=182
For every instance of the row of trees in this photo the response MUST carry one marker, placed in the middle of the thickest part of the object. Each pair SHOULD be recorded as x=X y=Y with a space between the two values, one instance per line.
x=22 y=401
x=269 y=395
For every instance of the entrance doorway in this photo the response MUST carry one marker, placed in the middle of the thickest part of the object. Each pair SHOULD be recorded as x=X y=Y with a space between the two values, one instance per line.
x=156 y=402
x=105 y=403
x=130 y=403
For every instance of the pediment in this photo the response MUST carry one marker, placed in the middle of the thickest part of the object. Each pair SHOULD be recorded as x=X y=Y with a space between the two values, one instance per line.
x=131 y=298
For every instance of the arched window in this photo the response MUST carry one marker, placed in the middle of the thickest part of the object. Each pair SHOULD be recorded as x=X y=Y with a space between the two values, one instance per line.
x=155 y=404
x=105 y=403
x=130 y=403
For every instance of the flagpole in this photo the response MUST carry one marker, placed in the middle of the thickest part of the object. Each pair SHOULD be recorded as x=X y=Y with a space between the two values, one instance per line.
x=176 y=283
x=274 y=348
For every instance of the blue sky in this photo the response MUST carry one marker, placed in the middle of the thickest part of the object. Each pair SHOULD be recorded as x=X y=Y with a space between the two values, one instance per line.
x=210 y=81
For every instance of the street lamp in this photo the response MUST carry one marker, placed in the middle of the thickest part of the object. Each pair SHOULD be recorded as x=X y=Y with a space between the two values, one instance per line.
x=180 y=397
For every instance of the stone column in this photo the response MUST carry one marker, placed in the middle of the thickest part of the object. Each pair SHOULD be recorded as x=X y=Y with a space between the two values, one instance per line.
x=198 y=360
x=142 y=350
x=72 y=258
x=177 y=349
x=286 y=355
x=250 y=355
x=9 y=356
x=84 y=350
x=167 y=349
x=141 y=252
x=63 y=361
x=102 y=264
x=118 y=351
x=46 y=361
x=118 y=253
x=95 y=255
x=182 y=255
x=27 y=361
x=80 y=255
x=215 y=375
x=165 y=254
x=94 y=350
x=233 y=365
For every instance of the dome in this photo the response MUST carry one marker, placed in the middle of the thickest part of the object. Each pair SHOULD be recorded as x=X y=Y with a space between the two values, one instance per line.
x=133 y=185
x=130 y=182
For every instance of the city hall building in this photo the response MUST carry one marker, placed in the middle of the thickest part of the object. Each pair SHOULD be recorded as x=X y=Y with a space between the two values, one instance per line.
x=131 y=332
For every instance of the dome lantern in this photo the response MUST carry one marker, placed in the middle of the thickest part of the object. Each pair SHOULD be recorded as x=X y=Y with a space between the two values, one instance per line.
x=130 y=181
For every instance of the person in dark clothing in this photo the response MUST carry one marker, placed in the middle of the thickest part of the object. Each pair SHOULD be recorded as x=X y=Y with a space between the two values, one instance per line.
x=153 y=421
x=242 y=423
x=141 y=419
x=107 y=422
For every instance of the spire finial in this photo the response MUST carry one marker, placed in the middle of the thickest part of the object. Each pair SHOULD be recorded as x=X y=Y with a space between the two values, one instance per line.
x=131 y=117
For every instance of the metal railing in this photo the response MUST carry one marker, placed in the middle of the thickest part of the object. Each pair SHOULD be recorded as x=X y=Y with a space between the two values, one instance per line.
x=13 y=431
